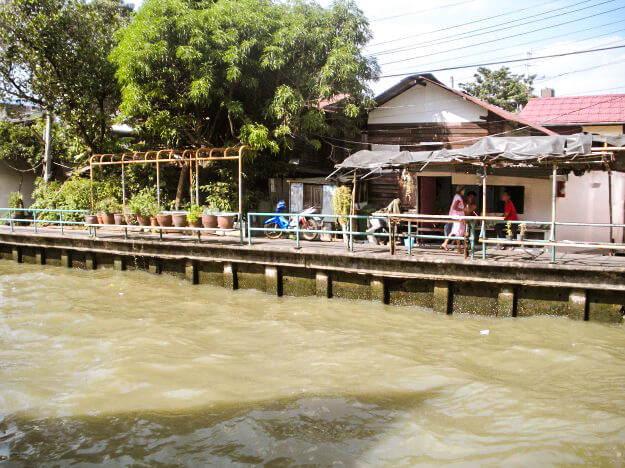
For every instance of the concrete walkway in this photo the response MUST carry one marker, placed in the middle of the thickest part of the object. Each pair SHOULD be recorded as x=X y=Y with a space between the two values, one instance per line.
x=431 y=252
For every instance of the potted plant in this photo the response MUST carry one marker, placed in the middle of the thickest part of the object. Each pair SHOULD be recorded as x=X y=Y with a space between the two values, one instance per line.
x=120 y=218
x=194 y=216
x=179 y=219
x=342 y=202
x=143 y=205
x=106 y=209
x=220 y=196
x=209 y=217
x=164 y=219
x=16 y=201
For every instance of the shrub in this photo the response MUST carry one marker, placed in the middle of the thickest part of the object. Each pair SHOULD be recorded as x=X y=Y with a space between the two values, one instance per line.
x=144 y=202
x=195 y=212
x=73 y=194
x=220 y=195
x=342 y=203
x=15 y=200
x=108 y=205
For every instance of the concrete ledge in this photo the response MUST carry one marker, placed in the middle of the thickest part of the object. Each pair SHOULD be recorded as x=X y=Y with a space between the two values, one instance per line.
x=479 y=287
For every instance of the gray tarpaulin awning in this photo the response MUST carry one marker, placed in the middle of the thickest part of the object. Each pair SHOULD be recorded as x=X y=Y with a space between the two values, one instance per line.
x=501 y=150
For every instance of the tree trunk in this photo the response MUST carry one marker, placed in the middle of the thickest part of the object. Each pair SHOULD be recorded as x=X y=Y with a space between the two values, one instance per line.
x=181 y=183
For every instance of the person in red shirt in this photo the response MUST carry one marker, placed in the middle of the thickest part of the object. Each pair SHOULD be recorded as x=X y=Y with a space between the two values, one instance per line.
x=509 y=214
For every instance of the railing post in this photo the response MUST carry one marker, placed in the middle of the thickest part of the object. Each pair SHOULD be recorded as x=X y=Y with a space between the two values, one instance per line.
x=409 y=238
x=297 y=246
x=35 y=220
x=472 y=240
x=554 y=188
x=249 y=230
x=483 y=237
x=11 y=219
x=351 y=235
x=61 y=221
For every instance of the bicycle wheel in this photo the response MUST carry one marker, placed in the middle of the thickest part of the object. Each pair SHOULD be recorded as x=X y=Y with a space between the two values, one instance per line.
x=273 y=233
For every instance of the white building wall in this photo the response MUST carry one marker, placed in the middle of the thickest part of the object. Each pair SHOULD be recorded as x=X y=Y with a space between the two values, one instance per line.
x=10 y=182
x=428 y=103
x=586 y=201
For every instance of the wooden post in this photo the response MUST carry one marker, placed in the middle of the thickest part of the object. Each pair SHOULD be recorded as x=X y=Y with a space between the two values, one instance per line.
x=483 y=231
x=554 y=193
x=240 y=162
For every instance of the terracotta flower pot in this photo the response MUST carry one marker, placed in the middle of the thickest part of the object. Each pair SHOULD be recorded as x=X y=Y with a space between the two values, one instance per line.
x=119 y=219
x=153 y=221
x=143 y=220
x=164 y=220
x=225 y=221
x=107 y=218
x=180 y=220
x=99 y=218
x=209 y=221
x=197 y=223
x=91 y=219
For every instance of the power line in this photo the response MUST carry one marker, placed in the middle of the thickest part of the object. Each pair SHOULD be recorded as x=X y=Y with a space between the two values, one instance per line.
x=455 y=26
x=456 y=37
x=581 y=70
x=592 y=91
x=424 y=10
x=535 y=41
x=502 y=38
x=506 y=61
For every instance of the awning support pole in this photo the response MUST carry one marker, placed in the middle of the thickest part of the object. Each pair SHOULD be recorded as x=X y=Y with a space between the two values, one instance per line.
x=240 y=161
x=554 y=193
x=483 y=230
x=123 y=186
x=158 y=184
x=90 y=184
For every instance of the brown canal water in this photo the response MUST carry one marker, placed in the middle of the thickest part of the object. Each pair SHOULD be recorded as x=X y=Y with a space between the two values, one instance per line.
x=135 y=369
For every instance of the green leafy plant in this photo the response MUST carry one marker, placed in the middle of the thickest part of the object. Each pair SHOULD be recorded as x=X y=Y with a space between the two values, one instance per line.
x=209 y=210
x=108 y=205
x=15 y=200
x=220 y=195
x=342 y=202
x=194 y=213
x=144 y=202
x=73 y=194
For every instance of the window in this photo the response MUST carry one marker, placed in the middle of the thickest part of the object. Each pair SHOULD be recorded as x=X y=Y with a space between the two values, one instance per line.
x=313 y=195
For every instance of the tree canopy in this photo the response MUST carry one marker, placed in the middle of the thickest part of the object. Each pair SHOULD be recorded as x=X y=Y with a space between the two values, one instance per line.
x=202 y=72
x=500 y=87
x=54 y=54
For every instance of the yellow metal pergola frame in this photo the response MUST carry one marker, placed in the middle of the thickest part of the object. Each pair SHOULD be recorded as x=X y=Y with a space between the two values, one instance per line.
x=170 y=156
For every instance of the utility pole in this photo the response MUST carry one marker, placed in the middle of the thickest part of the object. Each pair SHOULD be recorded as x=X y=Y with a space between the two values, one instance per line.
x=47 y=157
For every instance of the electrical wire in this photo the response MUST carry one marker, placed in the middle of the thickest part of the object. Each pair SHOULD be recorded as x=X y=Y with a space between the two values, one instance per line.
x=459 y=36
x=451 y=59
x=456 y=26
x=502 y=38
x=505 y=61
x=423 y=11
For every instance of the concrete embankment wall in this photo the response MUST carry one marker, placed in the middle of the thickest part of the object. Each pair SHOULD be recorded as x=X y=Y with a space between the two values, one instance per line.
x=449 y=285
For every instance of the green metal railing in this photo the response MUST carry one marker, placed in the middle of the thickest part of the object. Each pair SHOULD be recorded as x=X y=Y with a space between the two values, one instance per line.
x=36 y=220
x=552 y=243
x=349 y=231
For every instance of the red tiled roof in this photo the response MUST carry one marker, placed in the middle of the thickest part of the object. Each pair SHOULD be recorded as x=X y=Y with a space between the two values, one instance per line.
x=576 y=110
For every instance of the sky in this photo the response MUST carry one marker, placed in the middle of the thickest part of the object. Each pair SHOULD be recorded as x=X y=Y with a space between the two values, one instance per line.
x=430 y=35
x=418 y=36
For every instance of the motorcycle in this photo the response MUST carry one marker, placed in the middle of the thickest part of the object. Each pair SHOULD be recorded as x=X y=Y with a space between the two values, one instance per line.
x=307 y=223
